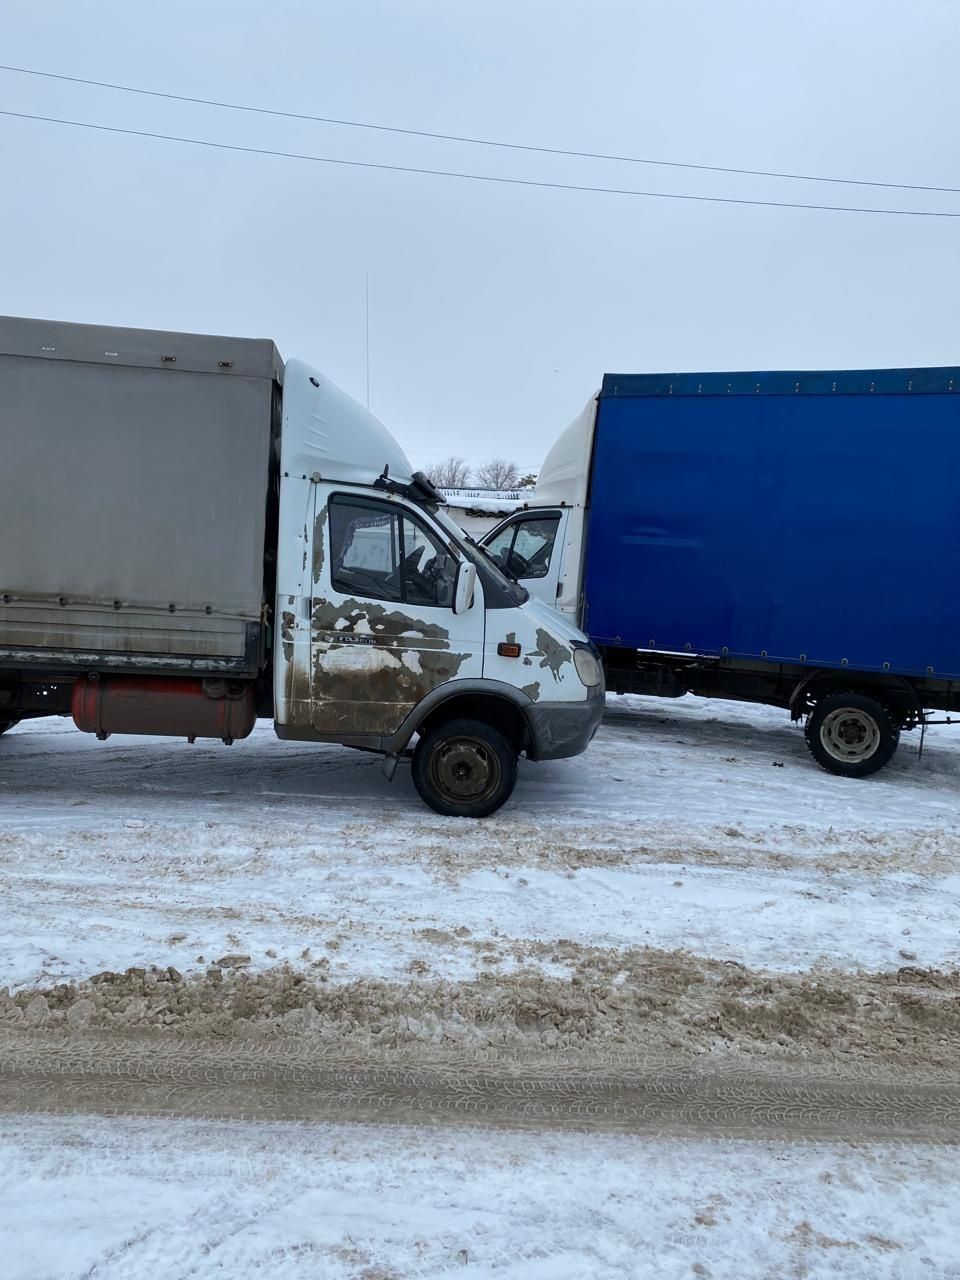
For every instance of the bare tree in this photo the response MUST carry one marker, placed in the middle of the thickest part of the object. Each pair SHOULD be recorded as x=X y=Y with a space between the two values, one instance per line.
x=451 y=473
x=498 y=473
x=528 y=481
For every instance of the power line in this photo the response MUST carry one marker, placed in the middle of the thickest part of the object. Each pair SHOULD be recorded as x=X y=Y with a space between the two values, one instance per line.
x=477 y=177
x=476 y=142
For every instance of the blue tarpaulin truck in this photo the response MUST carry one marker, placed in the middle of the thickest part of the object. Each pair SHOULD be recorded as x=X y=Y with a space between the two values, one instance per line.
x=783 y=538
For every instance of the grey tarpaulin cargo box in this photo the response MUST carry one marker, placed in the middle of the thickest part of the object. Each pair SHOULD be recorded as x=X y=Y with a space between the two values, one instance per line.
x=135 y=496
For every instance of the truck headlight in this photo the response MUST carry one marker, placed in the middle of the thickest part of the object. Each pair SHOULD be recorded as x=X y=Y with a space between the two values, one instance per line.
x=588 y=667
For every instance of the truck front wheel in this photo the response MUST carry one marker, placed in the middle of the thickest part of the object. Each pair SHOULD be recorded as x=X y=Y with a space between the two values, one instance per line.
x=851 y=734
x=464 y=769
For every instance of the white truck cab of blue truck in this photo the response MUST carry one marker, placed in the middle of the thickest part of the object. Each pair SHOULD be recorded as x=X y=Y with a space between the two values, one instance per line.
x=542 y=545
x=196 y=533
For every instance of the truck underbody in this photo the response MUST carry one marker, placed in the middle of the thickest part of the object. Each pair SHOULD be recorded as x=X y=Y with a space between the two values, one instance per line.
x=796 y=687
x=852 y=718
x=173 y=704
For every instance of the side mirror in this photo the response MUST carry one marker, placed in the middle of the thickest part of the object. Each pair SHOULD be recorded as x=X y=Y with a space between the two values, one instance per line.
x=464 y=587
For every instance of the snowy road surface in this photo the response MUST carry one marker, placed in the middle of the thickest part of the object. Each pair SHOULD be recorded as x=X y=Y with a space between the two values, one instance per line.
x=691 y=825
x=693 y=887
x=177 y=1199
x=183 y=1198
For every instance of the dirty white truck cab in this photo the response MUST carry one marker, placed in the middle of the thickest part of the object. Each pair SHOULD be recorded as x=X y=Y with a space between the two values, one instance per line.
x=391 y=623
x=367 y=618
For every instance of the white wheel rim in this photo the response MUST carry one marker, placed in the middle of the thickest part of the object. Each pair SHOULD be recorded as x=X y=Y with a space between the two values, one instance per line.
x=850 y=735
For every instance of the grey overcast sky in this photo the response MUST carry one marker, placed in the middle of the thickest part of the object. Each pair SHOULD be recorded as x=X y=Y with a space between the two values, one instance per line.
x=494 y=310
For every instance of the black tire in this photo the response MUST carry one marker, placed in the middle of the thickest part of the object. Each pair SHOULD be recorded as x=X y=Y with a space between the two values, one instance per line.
x=851 y=734
x=464 y=769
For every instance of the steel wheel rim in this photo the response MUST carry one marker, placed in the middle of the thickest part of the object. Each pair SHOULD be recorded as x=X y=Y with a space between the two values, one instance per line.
x=465 y=769
x=850 y=735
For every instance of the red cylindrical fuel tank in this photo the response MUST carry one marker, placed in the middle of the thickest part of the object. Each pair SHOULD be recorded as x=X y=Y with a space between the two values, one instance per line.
x=160 y=705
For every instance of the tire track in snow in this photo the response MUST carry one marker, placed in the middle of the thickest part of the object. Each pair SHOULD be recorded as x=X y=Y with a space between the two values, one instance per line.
x=144 y=1077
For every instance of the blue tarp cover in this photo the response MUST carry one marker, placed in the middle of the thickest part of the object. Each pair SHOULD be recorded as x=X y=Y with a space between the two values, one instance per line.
x=792 y=516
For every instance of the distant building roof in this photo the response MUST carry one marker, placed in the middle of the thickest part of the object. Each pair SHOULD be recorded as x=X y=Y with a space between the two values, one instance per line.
x=487 y=501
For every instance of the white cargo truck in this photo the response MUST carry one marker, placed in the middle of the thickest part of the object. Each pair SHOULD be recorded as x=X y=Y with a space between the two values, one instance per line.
x=194 y=534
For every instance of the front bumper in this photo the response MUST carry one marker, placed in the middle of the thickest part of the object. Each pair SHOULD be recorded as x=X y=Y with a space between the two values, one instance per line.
x=562 y=729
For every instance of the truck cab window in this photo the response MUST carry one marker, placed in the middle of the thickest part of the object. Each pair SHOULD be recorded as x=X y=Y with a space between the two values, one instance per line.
x=525 y=547
x=429 y=569
x=380 y=553
x=365 y=549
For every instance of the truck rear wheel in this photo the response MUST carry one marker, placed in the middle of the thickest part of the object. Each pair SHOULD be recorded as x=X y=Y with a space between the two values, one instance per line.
x=851 y=734
x=464 y=769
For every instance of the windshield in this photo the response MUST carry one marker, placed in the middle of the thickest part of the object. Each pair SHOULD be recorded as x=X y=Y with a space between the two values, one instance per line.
x=486 y=567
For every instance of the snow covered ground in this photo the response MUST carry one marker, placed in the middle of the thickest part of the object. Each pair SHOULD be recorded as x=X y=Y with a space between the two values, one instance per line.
x=701 y=829
x=115 y=1199
x=687 y=824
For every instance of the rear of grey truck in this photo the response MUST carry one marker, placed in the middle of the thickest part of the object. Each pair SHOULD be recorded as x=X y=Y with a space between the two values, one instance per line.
x=135 y=520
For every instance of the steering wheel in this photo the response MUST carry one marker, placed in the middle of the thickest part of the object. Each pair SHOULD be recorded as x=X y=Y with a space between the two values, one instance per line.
x=408 y=566
x=519 y=565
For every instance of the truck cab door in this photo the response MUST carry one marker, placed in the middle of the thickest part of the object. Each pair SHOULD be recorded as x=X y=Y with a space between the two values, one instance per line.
x=383 y=629
x=529 y=546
